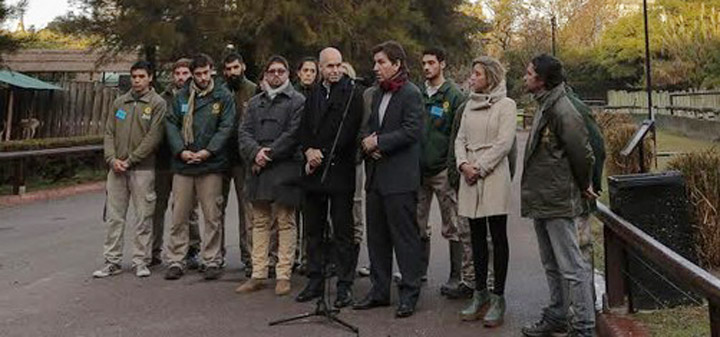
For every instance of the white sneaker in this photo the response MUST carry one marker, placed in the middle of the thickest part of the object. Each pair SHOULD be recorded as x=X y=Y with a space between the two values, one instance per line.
x=142 y=271
x=110 y=269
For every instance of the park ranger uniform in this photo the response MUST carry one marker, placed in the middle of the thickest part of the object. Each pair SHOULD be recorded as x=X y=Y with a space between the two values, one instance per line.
x=441 y=105
x=132 y=132
x=210 y=117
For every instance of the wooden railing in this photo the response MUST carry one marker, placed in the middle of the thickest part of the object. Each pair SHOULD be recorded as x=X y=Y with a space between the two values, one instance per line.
x=620 y=236
x=19 y=158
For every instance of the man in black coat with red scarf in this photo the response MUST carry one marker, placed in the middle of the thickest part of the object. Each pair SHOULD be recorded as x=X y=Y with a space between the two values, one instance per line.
x=392 y=148
x=333 y=113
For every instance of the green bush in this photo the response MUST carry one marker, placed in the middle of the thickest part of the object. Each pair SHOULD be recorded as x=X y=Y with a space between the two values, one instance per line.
x=49 y=143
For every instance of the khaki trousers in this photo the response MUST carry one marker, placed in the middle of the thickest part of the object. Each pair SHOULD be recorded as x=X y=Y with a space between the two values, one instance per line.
x=439 y=185
x=136 y=186
x=262 y=214
x=163 y=187
x=207 y=189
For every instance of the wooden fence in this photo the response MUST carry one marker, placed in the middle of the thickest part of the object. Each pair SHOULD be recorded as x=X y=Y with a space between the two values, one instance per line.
x=701 y=104
x=79 y=110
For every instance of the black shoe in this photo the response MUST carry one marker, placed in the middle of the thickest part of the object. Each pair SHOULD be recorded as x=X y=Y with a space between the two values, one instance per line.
x=311 y=291
x=248 y=271
x=461 y=292
x=369 y=303
x=405 y=310
x=344 y=297
x=271 y=272
x=544 y=328
x=155 y=261
x=213 y=273
x=174 y=273
x=192 y=262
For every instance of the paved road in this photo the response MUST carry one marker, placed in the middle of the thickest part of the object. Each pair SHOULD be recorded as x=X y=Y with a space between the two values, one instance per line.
x=48 y=251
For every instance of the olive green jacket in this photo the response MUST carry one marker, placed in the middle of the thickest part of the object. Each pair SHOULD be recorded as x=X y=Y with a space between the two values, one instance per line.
x=440 y=112
x=558 y=160
x=213 y=123
x=134 y=129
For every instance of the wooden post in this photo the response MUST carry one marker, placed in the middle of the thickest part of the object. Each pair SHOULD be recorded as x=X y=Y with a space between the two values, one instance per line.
x=19 y=186
x=714 y=310
x=8 y=124
x=615 y=262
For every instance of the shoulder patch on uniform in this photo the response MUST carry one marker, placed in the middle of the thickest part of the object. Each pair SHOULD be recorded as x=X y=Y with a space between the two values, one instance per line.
x=216 y=107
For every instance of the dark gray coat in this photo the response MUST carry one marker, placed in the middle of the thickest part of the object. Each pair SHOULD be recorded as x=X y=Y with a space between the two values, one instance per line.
x=558 y=160
x=398 y=171
x=275 y=124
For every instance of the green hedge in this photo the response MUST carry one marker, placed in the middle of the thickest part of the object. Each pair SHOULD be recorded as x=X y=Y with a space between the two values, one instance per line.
x=49 y=143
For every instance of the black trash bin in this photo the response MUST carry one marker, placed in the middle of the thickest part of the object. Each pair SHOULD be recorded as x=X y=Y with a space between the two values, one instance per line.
x=657 y=204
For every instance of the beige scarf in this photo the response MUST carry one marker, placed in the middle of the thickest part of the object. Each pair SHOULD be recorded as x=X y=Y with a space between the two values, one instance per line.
x=187 y=129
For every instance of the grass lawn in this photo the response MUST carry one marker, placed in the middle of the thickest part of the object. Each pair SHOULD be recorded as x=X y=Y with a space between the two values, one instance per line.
x=678 y=322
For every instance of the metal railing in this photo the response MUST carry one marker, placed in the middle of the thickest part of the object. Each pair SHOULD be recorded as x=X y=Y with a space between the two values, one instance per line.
x=19 y=158
x=621 y=236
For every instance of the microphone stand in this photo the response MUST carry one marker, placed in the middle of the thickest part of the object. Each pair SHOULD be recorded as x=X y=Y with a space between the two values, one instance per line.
x=323 y=307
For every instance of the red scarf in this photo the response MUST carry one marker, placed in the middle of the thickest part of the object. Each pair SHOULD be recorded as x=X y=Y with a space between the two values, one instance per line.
x=395 y=83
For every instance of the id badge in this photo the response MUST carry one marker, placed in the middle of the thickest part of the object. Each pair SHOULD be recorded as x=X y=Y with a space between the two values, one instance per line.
x=121 y=114
x=184 y=108
x=437 y=112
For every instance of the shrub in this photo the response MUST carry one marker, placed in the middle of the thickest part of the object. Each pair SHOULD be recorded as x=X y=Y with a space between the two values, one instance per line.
x=618 y=129
x=702 y=177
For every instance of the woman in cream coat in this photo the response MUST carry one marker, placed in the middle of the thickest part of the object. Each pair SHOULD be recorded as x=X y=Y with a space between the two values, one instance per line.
x=484 y=139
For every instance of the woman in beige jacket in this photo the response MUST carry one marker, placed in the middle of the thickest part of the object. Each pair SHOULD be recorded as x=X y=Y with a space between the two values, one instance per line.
x=484 y=139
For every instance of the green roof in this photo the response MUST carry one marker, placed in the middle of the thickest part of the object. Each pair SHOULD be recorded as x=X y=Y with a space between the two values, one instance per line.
x=23 y=81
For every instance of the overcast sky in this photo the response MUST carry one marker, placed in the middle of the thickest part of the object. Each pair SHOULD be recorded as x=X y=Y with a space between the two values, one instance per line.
x=40 y=12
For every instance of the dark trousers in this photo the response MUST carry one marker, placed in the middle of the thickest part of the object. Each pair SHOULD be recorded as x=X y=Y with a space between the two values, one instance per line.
x=392 y=225
x=341 y=250
x=501 y=251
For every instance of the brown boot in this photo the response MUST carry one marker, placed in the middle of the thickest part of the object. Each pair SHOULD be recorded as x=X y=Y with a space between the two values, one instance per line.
x=251 y=285
x=282 y=287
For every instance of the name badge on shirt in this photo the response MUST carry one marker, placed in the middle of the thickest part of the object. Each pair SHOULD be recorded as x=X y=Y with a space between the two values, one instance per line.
x=121 y=114
x=437 y=111
x=184 y=108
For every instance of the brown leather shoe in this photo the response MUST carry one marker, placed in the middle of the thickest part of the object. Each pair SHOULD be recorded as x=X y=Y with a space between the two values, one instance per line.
x=251 y=285
x=282 y=287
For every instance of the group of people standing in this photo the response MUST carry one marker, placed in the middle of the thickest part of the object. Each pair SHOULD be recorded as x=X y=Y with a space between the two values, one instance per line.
x=311 y=151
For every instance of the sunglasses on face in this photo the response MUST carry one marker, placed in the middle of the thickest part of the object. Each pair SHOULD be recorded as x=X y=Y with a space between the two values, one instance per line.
x=276 y=72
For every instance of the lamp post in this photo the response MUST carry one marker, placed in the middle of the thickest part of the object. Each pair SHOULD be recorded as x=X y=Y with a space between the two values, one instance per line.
x=648 y=81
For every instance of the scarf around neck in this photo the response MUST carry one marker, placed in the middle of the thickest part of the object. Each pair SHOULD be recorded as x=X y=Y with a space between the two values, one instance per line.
x=395 y=83
x=479 y=101
x=272 y=92
x=195 y=92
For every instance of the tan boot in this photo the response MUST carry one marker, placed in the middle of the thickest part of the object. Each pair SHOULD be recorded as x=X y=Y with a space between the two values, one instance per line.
x=251 y=285
x=282 y=287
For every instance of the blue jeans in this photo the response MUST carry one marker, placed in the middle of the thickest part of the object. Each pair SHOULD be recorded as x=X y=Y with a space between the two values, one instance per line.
x=569 y=275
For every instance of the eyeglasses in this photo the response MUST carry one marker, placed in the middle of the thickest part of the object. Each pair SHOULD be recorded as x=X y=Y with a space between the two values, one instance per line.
x=276 y=72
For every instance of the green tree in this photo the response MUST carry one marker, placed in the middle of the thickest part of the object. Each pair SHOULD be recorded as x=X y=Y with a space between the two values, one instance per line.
x=167 y=29
x=8 y=43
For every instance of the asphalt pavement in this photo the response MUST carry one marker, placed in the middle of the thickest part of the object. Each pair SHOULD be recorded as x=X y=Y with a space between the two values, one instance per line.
x=48 y=251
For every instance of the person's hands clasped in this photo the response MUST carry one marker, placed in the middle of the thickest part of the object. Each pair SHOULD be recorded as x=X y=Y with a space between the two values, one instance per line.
x=470 y=173
x=262 y=158
x=120 y=166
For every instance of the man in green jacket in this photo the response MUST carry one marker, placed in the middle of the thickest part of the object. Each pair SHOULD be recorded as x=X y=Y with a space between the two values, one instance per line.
x=132 y=134
x=442 y=99
x=198 y=128
x=242 y=90
x=164 y=176
x=556 y=183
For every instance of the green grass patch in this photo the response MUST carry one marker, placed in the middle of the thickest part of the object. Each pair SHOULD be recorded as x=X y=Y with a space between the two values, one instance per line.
x=676 y=322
